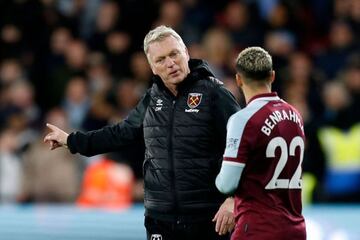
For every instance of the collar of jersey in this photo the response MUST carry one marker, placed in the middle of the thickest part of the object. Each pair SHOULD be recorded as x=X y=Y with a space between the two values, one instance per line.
x=264 y=97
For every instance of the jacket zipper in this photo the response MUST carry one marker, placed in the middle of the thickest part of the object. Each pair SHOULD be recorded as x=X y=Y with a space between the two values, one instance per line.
x=171 y=154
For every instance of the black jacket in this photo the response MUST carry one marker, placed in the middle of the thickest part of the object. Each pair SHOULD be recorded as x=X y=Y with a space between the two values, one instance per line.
x=184 y=143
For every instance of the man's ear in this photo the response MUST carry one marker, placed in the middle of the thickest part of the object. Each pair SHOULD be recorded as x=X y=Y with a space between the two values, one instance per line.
x=152 y=68
x=239 y=80
x=187 y=53
x=150 y=64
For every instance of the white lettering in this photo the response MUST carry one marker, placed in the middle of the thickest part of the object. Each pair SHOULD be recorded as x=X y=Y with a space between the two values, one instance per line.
x=292 y=116
x=279 y=115
x=286 y=117
x=266 y=130
x=268 y=123
x=192 y=110
x=274 y=118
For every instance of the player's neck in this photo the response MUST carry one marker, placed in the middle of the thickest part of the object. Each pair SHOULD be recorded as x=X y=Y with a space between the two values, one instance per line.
x=249 y=92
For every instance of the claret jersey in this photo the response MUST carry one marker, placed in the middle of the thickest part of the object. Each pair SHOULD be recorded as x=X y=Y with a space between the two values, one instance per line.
x=267 y=138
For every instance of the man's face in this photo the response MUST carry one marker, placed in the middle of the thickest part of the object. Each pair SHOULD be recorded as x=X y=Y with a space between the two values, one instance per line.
x=169 y=60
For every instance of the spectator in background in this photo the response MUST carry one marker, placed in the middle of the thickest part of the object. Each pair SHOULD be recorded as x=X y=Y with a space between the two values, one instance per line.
x=241 y=25
x=11 y=42
x=101 y=82
x=26 y=118
x=76 y=102
x=81 y=13
x=334 y=145
x=98 y=74
x=171 y=13
x=50 y=176
x=107 y=184
x=106 y=21
x=181 y=119
x=341 y=44
x=22 y=97
x=127 y=95
x=351 y=78
x=11 y=71
x=347 y=10
x=10 y=166
x=301 y=84
x=118 y=46
x=218 y=47
x=280 y=45
x=76 y=54
x=140 y=70
x=60 y=39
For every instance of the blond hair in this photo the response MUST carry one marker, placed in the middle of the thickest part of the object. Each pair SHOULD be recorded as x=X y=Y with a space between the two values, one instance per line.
x=254 y=63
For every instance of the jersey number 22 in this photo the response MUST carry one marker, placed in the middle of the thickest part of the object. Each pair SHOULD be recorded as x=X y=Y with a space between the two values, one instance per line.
x=295 y=182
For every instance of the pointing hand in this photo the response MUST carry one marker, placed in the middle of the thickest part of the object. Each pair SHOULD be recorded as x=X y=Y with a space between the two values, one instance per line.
x=56 y=138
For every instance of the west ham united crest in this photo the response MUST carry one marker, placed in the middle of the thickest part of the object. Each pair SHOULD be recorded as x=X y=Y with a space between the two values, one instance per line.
x=194 y=99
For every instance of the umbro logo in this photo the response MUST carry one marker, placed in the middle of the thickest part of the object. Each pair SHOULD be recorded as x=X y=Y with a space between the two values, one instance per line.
x=156 y=237
x=159 y=105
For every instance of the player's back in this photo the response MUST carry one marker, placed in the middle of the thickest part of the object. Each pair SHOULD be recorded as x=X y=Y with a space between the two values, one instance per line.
x=271 y=147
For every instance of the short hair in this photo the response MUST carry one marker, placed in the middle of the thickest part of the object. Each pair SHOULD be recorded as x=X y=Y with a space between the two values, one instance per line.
x=254 y=63
x=160 y=33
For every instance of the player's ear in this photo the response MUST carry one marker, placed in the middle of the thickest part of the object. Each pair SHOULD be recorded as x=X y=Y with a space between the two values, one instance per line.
x=272 y=76
x=239 y=81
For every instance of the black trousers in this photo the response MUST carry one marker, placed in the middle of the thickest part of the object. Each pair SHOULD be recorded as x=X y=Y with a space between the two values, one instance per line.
x=162 y=230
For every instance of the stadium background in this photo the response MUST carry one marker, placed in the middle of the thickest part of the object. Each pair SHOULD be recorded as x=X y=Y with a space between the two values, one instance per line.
x=79 y=64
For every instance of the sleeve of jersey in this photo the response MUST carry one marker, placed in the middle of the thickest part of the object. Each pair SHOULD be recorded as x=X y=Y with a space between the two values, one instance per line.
x=110 y=138
x=228 y=179
x=237 y=143
x=235 y=155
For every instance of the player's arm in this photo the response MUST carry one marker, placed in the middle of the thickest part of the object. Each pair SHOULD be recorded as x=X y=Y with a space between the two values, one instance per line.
x=228 y=179
x=235 y=155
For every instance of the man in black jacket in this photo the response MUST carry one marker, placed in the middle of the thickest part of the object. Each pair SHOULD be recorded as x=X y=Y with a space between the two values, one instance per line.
x=182 y=120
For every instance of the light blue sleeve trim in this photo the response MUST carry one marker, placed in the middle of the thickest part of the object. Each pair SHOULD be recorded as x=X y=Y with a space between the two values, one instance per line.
x=228 y=179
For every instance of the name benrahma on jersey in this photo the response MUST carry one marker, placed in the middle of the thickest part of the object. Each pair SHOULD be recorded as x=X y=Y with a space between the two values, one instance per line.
x=277 y=116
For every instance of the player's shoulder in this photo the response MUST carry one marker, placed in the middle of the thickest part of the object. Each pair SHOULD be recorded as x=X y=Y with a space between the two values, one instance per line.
x=250 y=110
x=244 y=115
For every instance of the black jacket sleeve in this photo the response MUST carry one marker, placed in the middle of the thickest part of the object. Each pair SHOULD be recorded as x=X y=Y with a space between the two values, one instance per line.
x=111 y=138
x=224 y=105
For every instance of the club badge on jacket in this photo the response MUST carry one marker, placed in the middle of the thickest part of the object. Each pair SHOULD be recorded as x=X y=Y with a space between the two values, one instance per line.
x=193 y=101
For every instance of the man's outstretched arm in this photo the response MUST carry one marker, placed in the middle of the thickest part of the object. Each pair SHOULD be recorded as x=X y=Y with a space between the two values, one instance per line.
x=106 y=139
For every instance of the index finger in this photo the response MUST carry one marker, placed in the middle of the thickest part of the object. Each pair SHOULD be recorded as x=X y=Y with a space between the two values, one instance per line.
x=215 y=217
x=52 y=127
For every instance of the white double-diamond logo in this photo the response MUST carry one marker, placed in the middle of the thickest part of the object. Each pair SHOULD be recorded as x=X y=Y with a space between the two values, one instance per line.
x=159 y=105
x=156 y=237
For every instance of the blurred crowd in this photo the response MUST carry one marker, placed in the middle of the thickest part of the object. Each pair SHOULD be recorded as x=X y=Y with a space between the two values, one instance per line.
x=79 y=64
